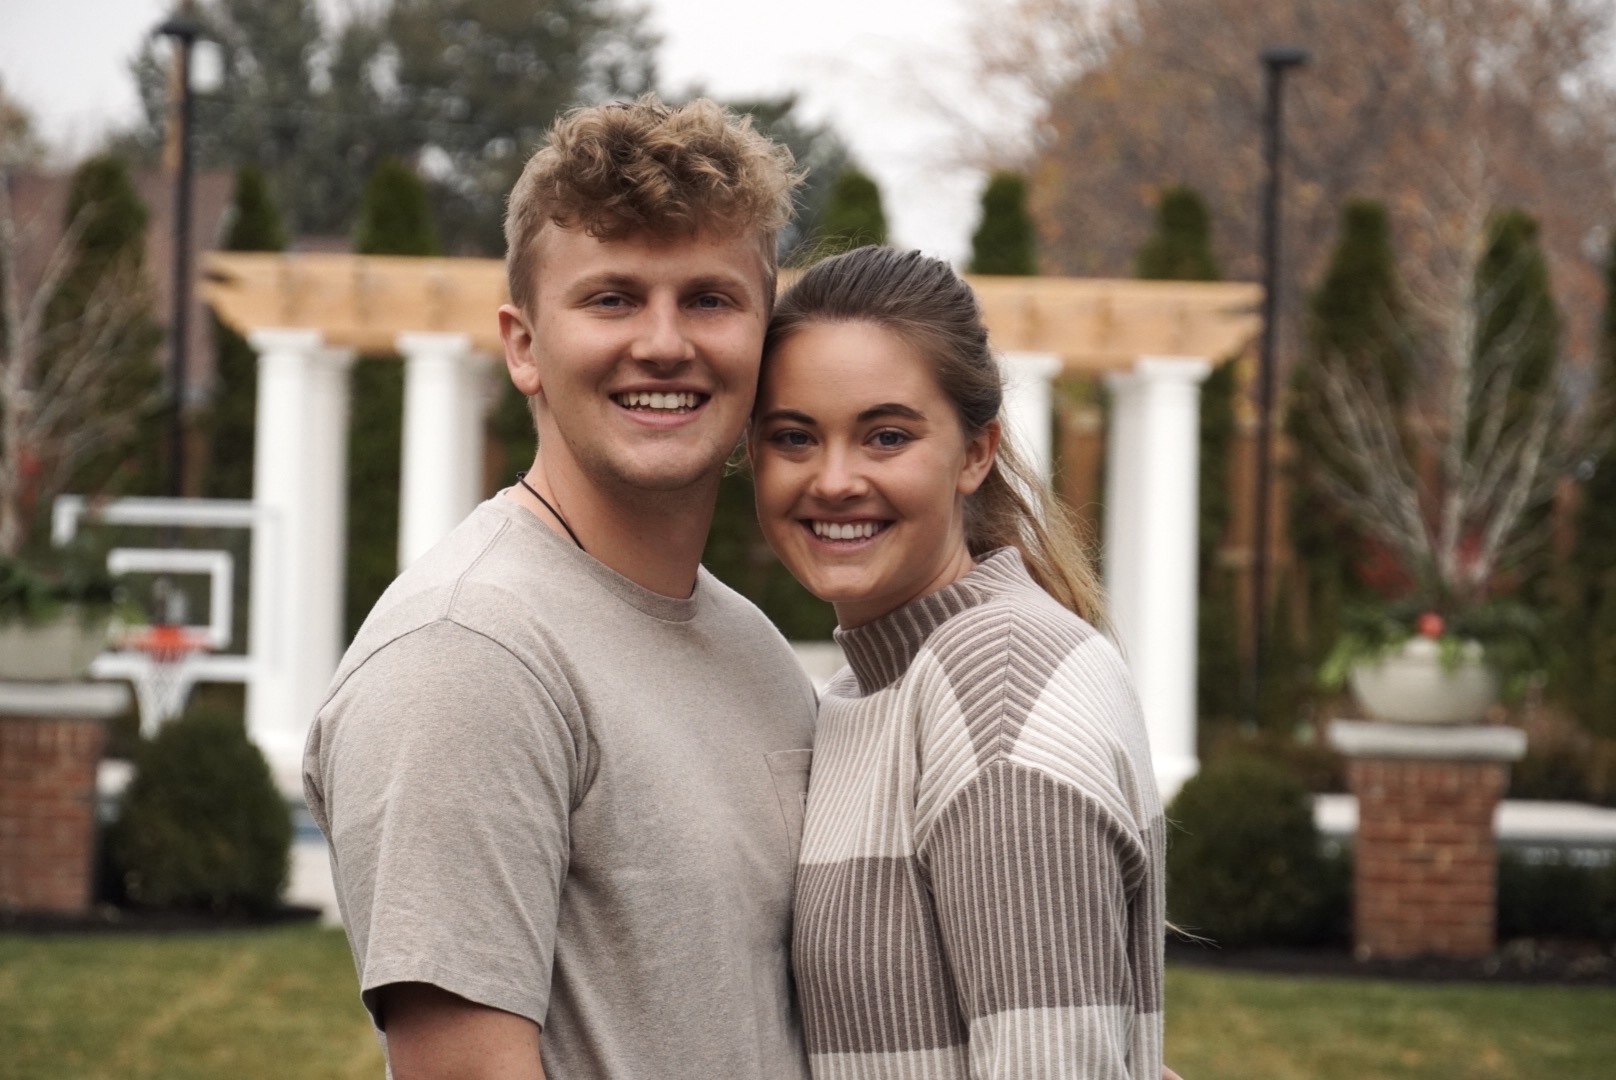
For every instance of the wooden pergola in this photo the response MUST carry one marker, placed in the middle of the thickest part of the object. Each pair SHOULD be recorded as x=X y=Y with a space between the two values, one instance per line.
x=365 y=302
x=307 y=315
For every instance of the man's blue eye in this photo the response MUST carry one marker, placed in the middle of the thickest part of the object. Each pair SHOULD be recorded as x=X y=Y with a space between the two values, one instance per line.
x=709 y=302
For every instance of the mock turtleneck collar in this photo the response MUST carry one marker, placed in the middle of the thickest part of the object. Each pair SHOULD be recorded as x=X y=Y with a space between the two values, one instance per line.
x=880 y=651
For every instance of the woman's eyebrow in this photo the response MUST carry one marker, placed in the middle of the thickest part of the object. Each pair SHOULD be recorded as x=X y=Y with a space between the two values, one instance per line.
x=891 y=408
x=789 y=414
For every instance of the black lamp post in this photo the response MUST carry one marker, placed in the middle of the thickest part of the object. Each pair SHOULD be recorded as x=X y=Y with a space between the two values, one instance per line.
x=183 y=28
x=1276 y=62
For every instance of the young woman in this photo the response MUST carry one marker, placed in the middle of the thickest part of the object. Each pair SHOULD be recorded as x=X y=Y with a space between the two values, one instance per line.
x=981 y=885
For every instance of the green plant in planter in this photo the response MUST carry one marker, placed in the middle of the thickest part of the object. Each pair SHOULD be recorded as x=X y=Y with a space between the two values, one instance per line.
x=37 y=590
x=1510 y=635
x=54 y=613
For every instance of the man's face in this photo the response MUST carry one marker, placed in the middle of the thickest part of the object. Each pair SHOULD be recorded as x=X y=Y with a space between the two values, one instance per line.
x=641 y=355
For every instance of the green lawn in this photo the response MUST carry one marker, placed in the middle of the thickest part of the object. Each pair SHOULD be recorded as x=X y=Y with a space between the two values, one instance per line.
x=1238 y=1026
x=243 y=1006
x=281 y=1003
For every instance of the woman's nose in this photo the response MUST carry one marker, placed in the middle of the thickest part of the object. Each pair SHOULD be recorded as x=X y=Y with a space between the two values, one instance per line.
x=839 y=477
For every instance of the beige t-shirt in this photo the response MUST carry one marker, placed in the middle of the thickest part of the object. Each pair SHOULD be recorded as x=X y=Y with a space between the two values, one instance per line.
x=551 y=791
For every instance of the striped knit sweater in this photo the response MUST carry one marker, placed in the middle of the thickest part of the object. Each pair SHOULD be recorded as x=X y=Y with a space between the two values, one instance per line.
x=981 y=887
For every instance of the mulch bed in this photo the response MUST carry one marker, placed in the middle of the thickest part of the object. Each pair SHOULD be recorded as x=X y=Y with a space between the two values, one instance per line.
x=109 y=919
x=1526 y=960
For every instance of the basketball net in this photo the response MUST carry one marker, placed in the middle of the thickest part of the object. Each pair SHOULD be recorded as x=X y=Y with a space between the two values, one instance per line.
x=164 y=681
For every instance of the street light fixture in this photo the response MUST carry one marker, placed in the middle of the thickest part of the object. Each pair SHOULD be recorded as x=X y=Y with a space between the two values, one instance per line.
x=1276 y=62
x=184 y=30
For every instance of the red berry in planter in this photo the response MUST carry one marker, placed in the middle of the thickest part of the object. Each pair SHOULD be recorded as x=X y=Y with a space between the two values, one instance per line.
x=1430 y=625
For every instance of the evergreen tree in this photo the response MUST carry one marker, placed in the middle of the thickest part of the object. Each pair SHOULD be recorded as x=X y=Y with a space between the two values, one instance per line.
x=1589 y=615
x=1353 y=318
x=853 y=215
x=396 y=219
x=1519 y=324
x=111 y=248
x=1517 y=341
x=319 y=102
x=1005 y=241
x=255 y=225
x=819 y=152
x=1180 y=248
x=396 y=216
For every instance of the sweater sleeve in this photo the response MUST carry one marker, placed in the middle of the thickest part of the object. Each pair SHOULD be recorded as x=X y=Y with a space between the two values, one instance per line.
x=1040 y=900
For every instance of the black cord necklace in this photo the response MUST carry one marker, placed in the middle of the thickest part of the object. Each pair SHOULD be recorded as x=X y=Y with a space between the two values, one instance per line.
x=521 y=478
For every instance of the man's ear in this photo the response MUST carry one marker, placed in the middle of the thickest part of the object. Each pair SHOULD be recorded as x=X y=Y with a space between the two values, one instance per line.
x=980 y=451
x=520 y=363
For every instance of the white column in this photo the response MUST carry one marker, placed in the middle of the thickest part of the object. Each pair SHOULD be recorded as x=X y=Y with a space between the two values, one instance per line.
x=444 y=402
x=1151 y=517
x=300 y=467
x=1029 y=407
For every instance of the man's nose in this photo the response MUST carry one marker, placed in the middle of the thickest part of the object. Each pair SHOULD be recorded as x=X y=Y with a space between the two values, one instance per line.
x=663 y=337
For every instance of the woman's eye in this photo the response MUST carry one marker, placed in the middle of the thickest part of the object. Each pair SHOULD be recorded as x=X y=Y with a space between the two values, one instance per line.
x=890 y=440
x=790 y=440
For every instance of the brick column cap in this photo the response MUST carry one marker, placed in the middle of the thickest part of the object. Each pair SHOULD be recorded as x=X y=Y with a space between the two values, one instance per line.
x=1427 y=742
x=63 y=700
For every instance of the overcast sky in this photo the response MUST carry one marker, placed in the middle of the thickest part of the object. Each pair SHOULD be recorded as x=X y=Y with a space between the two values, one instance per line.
x=67 y=61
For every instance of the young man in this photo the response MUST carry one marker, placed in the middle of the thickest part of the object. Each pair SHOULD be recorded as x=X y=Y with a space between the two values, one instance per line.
x=561 y=766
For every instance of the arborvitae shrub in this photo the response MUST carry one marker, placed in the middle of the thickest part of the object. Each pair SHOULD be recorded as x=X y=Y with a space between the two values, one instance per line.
x=202 y=825
x=853 y=215
x=1586 y=677
x=1243 y=858
x=233 y=416
x=1005 y=241
x=396 y=219
x=1353 y=319
x=1180 y=247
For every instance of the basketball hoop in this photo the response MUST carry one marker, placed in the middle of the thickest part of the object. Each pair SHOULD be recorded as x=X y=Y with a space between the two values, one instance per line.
x=164 y=678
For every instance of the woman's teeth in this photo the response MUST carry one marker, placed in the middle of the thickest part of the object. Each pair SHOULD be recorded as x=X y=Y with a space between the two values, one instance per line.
x=852 y=530
x=671 y=402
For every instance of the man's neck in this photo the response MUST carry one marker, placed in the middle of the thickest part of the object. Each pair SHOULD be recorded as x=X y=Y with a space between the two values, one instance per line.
x=654 y=539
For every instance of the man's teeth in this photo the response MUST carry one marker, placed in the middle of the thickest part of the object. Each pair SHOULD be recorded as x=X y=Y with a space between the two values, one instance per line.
x=852 y=530
x=659 y=401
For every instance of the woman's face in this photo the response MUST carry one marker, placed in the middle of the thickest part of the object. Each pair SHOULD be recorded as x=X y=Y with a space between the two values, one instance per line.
x=862 y=469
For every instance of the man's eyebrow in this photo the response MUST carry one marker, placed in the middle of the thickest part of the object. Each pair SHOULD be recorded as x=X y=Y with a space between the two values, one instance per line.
x=718 y=281
x=606 y=279
x=890 y=408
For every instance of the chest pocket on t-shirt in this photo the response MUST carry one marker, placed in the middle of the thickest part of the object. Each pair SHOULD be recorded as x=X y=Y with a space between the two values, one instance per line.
x=790 y=771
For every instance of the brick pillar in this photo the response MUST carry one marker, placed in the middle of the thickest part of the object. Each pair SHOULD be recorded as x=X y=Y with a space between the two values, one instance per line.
x=1425 y=863
x=51 y=738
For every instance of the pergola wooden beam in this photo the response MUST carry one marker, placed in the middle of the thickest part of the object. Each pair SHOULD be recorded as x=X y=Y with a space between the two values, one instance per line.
x=364 y=302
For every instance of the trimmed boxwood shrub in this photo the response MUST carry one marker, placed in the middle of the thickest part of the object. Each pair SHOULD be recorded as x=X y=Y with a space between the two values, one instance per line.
x=1244 y=865
x=202 y=824
x=1556 y=898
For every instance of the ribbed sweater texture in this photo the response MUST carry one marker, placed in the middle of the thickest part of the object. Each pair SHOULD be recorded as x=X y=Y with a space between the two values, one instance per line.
x=981 y=892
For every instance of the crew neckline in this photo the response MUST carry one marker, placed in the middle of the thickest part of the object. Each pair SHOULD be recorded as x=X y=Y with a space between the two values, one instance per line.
x=880 y=651
x=637 y=596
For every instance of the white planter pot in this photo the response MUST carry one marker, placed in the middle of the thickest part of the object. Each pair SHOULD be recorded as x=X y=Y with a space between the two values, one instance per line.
x=55 y=651
x=1412 y=687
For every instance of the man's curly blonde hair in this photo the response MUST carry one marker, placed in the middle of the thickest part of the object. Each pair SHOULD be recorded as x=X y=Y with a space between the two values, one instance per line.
x=646 y=168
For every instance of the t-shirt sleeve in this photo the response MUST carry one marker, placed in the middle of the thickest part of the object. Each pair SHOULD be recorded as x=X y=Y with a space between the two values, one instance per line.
x=446 y=777
x=1040 y=909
